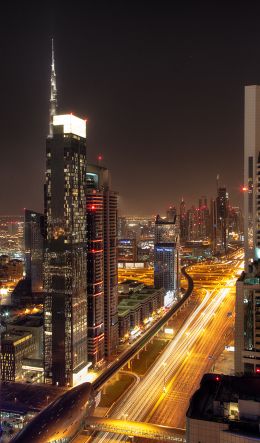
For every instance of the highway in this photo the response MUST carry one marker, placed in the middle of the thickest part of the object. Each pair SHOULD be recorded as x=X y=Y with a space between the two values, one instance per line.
x=129 y=353
x=146 y=400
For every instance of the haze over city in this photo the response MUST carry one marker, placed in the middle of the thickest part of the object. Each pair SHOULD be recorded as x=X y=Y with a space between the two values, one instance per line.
x=162 y=88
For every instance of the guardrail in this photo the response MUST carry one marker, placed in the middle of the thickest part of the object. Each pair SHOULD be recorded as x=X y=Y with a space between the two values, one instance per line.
x=123 y=359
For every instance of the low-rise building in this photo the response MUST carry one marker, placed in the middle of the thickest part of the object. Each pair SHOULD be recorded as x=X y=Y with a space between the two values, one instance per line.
x=225 y=409
x=130 y=286
x=137 y=309
x=123 y=322
x=34 y=325
x=15 y=345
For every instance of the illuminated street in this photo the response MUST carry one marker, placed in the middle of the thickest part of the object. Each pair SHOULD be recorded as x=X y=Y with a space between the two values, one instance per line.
x=188 y=349
x=144 y=275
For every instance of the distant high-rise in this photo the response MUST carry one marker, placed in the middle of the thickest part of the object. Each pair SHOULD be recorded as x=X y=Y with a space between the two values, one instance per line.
x=213 y=225
x=222 y=215
x=183 y=222
x=171 y=214
x=192 y=223
x=203 y=219
x=34 y=243
x=166 y=255
x=65 y=306
x=99 y=176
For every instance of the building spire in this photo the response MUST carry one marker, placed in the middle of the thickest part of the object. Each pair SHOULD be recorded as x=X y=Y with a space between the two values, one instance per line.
x=53 y=97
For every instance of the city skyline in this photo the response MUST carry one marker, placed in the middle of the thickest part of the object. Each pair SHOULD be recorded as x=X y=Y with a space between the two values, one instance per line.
x=125 y=92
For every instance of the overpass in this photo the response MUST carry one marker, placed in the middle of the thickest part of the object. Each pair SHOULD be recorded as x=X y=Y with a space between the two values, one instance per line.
x=145 y=338
x=136 y=429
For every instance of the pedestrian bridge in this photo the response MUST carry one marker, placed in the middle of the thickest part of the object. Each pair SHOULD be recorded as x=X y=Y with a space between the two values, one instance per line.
x=136 y=429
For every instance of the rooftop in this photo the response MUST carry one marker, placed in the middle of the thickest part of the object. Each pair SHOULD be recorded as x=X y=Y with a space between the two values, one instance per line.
x=217 y=391
x=25 y=397
x=14 y=336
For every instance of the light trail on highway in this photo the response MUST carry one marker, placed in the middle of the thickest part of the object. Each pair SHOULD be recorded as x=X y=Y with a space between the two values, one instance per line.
x=139 y=402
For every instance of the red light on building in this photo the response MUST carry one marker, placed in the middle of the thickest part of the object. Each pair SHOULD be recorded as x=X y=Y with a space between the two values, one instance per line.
x=100 y=157
x=217 y=378
x=257 y=370
x=244 y=189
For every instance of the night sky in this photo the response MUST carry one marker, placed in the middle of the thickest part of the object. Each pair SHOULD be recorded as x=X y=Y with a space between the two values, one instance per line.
x=161 y=83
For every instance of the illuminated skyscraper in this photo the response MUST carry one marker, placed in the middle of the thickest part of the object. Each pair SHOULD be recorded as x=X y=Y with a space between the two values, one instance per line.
x=222 y=215
x=65 y=307
x=106 y=201
x=166 y=256
x=192 y=223
x=203 y=219
x=252 y=172
x=247 y=320
x=183 y=222
x=95 y=269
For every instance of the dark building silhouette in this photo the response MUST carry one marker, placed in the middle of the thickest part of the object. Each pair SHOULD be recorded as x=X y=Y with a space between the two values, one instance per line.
x=34 y=247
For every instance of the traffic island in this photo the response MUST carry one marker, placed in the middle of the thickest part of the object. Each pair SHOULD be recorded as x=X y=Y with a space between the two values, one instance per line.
x=113 y=390
x=147 y=356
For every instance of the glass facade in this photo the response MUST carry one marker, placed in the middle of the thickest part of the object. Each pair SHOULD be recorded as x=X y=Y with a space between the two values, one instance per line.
x=166 y=255
x=34 y=243
x=65 y=307
x=99 y=193
x=95 y=274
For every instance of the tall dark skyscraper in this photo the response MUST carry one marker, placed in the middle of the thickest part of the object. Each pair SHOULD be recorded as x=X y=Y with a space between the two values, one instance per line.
x=34 y=244
x=65 y=307
x=100 y=183
x=166 y=256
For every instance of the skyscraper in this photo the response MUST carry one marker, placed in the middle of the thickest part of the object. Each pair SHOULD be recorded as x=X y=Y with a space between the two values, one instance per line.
x=171 y=213
x=251 y=172
x=222 y=215
x=65 y=307
x=247 y=320
x=34 y=244
x=166 y=256
x=53 y=97
x=192 y=223
x=203 y=219
x=95 y=269
x=101 y=187
x=183 y=222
